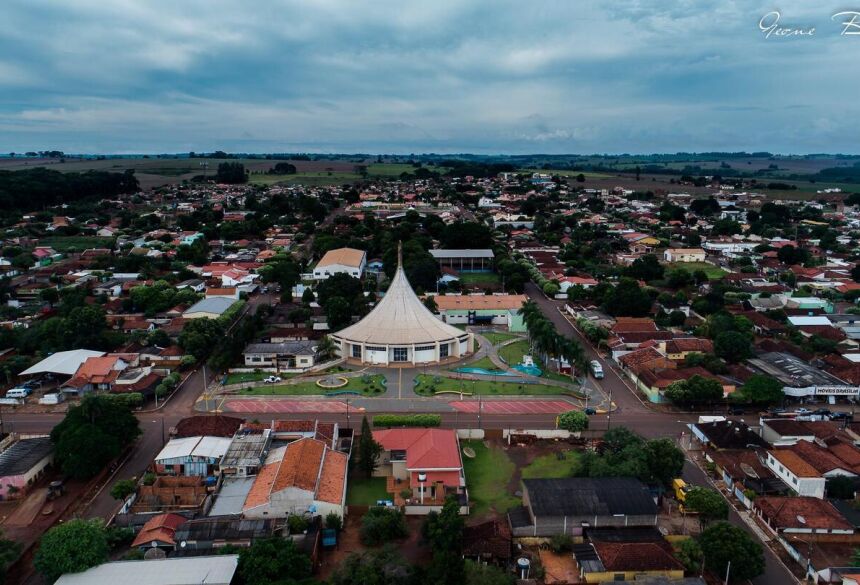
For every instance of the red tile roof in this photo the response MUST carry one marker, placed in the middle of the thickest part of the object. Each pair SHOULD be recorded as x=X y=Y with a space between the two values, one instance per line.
x=636 y=556
x=160 y=528
x=426 y=449
x=802 y=512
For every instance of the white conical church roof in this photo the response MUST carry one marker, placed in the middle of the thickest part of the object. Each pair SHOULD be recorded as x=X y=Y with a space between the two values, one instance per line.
x=400 y=318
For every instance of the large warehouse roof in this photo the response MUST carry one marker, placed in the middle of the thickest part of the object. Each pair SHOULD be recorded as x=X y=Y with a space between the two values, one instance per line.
x=64 y=363
x=400 y=318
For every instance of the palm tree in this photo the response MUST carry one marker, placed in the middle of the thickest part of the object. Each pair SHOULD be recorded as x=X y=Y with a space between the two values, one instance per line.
x=326 y=347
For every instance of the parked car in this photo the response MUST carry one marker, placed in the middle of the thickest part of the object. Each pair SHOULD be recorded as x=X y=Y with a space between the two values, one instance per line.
x=775 y=410
x=841 y=416
x=822 y=411
x=596 y=369
x=272 y=380
x=18 y=393
x=589 y=411
x=803 y=411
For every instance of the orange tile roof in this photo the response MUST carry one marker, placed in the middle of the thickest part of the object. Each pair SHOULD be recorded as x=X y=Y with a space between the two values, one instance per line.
x=160 y=528
x=795 y=463
x=342 y=256
x=262 y=487
x=332 y=478
x=478 y=302
x=802 y=512
x=300 y=466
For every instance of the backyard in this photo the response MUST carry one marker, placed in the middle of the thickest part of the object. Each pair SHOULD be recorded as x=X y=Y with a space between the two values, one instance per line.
x=365 y=491
x=488 y=476
x=553 y=465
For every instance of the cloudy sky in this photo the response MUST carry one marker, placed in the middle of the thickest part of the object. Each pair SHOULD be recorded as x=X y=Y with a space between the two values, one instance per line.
x=401 y=76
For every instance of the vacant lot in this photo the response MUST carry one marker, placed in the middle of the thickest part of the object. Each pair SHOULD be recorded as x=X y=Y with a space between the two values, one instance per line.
x=713 y=272
x=553 y=465
x=488 y=475
x=76 y=243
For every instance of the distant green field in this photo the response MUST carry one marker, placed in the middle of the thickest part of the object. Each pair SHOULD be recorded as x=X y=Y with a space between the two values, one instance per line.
x=713 y=272
x=306 y=178
x=478 y=278
x=567 y=173
x=75 y=243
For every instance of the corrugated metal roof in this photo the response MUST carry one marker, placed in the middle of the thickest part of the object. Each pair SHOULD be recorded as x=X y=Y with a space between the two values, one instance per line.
x=205 y=447
x=209 y=570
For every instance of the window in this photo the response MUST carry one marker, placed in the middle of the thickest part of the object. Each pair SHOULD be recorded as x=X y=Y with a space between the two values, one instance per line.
x=424 y=348
x=443 y=350
x=356 y=351
x=401 y=354
x=375 y=348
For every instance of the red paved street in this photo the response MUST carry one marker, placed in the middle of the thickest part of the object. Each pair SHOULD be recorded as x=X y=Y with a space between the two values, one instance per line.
x=285 y=406
x=514 y=406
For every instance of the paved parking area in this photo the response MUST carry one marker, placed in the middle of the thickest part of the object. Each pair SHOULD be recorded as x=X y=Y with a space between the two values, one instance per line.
x=513 y=406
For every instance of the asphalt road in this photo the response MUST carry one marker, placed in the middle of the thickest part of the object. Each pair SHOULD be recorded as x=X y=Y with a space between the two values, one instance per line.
x=630 y=412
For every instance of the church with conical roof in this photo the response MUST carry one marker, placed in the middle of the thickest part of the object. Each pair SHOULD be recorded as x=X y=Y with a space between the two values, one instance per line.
x=400 y=331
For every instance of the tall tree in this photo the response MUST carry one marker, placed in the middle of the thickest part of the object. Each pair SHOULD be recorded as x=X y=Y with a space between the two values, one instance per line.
x=723 y=543
x=368 y=449
x=72 y=547
x=273 y=561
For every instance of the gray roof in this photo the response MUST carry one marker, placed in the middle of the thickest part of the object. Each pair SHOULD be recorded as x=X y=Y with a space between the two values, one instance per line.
x=231 y=497
x=461 y=254
x=62 y=362
x=23 y=455
x=582 y=496
x=211 y=529
x=209 y=570
x=215 y=305
x=298 y=347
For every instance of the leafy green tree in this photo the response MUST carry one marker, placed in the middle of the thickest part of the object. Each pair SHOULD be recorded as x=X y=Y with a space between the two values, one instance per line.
x=9 y=552
x=695 y=390
x=645 y=268
x=231 y=173
x=760 y=389
x=733 y=346
x=373 y=567
x=689 y=553
x=722 y=543
x=92 y=434
x=273 y=561
x=574 y=421
x=709 y=504
x=665 y=461
x=368 y=449
x=72 y=547
x=430 y=303
x=628 y=299
x=338 y=313
x=308 y=296
x=381 y=525
x=123 y=489
x=443 y=530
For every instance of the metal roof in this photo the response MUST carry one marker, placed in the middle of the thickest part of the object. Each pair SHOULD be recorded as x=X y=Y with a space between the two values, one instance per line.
x=65 y=363
x=216 y=305
x=598 y=496
x=446 y=254
x=23 y=455
x=208 y=570
x=206 y=447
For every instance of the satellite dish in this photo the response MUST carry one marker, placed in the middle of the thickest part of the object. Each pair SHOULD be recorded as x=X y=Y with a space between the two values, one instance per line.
x=749 y=471
x=153 y=554
x=183 y=544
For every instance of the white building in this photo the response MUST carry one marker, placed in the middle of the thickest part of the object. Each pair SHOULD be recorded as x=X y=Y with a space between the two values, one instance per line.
x=801 y=477
x=401 y=330
x=684 y=255
x=346 y=260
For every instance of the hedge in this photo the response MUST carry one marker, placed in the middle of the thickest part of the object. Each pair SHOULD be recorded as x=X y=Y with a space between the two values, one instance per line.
x=407 y=420
x=131 y=399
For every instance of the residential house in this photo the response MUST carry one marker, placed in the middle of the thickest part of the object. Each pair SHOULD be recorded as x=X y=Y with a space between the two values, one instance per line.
x=482 y=310
x=96 y=374
x=803 y=516
x=211 y=534
x=424 y=462
x=159 y=532
x=285 y=356
x=304 y=477
x=603 y=562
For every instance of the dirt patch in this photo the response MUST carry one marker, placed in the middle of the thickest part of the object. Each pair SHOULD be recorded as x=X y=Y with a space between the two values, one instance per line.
x=349 y=541
x=560 y=568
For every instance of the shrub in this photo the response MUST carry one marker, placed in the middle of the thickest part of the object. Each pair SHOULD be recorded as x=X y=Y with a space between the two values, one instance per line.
x=407 y=420
x=297 y=524
x=332 y=520
x=382 y=525
x=561 y=543
x=130 y=399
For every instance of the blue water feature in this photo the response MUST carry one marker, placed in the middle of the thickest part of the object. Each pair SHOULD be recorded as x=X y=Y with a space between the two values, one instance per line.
x=484 y=372
x=530 y=370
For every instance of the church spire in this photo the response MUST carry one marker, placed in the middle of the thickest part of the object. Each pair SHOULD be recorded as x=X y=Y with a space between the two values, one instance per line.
x=400 y=254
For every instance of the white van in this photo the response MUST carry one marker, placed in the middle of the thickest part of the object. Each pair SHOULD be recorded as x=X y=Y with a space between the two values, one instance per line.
x=18 y=393
x=52 y=398
x=596 y=369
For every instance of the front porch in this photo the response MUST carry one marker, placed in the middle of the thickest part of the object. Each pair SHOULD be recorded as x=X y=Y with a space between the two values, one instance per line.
x=434 y=496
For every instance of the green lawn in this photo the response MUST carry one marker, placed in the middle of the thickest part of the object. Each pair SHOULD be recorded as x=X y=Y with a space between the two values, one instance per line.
x=479 y=278
x=75 y=243
x=240 y=377
x=713 y=272
x=550 y=466
x=373 y=386
x=513 y=353
x=306 y=178
x=487 y=477
x=363 y=491
x=484 y=362
x=427 y=386
x=498 y=337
